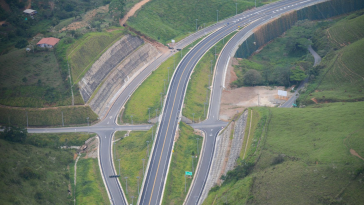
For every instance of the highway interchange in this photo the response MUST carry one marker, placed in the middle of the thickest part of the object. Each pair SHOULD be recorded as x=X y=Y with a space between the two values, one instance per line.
x=153 y=183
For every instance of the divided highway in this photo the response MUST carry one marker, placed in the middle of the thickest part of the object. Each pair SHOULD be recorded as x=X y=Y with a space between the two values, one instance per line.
x=156 y=175
x=155 y=179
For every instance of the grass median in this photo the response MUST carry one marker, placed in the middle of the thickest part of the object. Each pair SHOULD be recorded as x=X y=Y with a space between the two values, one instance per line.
x=131 y=150
x=90 y=188
x=185 y=154
x=198 y=91
x=149 y=92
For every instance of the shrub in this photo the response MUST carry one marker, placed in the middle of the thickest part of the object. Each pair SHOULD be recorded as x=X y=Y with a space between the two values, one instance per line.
x=278 y=159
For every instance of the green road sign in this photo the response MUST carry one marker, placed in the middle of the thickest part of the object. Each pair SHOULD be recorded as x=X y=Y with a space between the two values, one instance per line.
x=188 y=173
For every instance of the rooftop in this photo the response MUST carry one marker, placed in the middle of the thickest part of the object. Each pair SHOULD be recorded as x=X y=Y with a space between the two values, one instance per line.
x=50 y=41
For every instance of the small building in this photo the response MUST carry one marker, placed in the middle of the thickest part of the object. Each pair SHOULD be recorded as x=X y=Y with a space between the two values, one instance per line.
x=30 y=12
x=48 y=42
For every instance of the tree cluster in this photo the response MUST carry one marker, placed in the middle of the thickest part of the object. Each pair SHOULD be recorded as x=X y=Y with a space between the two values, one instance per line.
x=14 y=134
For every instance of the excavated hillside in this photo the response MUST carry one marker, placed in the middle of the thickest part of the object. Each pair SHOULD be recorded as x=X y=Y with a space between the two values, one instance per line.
x=106 y=63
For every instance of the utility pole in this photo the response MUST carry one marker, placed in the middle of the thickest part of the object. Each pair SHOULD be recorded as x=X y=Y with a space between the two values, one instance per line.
x=143 y=166
x=211 y=67
x=161 y=100
x=149 y=114
x=185 y=182
x=196 y=24
x=204 y=105
x=192 y=163
x=62 y=120
x=193 y=115
x=215 y=52
x=147 y=148
x=168 y=73
x=119 y=166
x=197 y=139
x=217 y=16
x=126 y=180
x=138 y=184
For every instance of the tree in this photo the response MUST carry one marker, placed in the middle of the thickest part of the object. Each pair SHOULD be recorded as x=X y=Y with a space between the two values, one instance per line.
x=297 y=75
x=14 y=134
x=21 y=44
x=252 y=77
x=116 y=7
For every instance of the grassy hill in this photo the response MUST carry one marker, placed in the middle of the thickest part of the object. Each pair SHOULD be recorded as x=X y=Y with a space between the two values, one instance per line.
x=340 y=74
x=316 y=163
x=176 y=19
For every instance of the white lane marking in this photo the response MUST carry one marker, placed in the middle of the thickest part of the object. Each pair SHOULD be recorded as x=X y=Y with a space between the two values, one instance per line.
x=110 y=117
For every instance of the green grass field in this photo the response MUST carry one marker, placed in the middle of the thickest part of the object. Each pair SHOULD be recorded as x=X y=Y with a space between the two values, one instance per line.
x=316 y=165
x=184 y=149
x=32 y=80
x=178 y=18
x=85 y=51
x=131 y=150
x=198 y=91
x=47 y=117
x=58 y=139
x=149 y=91
x=90 y=188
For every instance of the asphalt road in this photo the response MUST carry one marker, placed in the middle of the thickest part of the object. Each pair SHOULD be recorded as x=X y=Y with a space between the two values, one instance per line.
x=156 y=175
x=157 y=172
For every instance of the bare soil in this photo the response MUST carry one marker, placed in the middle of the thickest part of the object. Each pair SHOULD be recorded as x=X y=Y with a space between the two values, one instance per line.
x=353 y=152
x=29 y=4
x=85 y=19
x=234 y=100
x=132 y=11
x=92 y=146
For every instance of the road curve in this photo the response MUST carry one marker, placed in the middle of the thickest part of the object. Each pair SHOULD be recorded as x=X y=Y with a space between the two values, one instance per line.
x=157 y=172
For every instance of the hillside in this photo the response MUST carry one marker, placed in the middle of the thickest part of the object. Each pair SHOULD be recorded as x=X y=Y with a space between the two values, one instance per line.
x=176 y=19
x=340 y=74
x=308 y=157
x=311 y=155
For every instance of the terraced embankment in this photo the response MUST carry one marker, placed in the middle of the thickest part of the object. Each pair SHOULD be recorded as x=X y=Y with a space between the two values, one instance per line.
x=113 y=70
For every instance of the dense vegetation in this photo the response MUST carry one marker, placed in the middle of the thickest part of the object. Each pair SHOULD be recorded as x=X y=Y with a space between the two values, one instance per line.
x=284 y=61
x=33 y=168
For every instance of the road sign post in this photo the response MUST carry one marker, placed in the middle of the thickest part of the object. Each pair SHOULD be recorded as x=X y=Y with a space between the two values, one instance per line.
x=187 y=174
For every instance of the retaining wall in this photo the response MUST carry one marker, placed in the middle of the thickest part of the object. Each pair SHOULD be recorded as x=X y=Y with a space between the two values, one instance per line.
x=106 y=63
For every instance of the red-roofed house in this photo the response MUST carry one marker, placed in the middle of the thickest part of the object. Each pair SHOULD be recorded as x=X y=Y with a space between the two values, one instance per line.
x=48 y=42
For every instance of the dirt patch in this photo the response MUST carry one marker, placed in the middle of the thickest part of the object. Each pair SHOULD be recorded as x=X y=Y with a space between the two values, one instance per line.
x=92 y=146
x=353 y=152
x=2 y=22
x=74 y=156
x=236 y=100
x=132 y=11
x=29 y=4
x=85 y=19
x=5 y=6
x=314 y=100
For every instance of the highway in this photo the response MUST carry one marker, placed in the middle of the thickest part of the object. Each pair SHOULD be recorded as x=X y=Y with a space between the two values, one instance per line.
x=153 y=186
